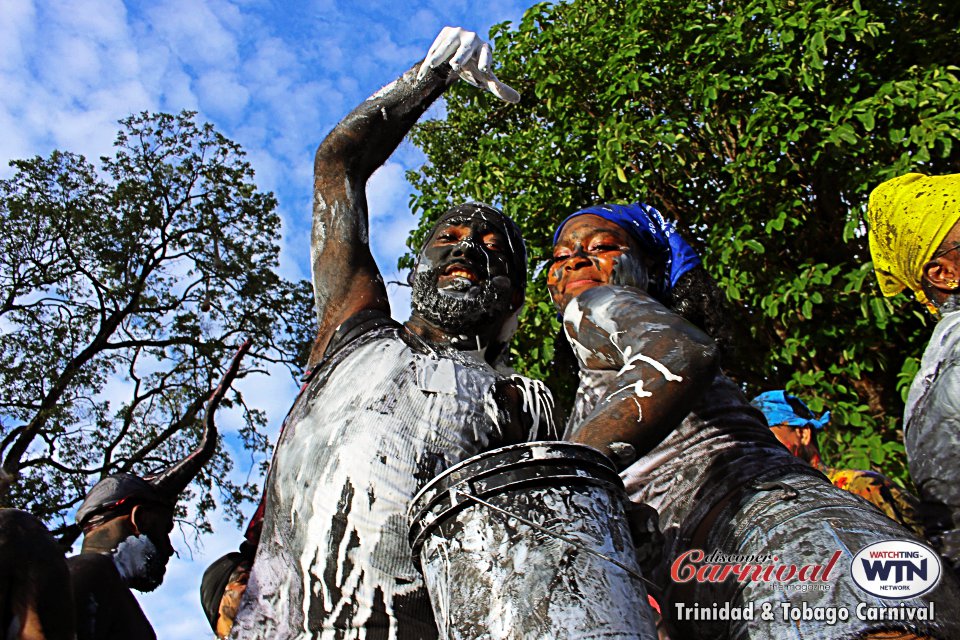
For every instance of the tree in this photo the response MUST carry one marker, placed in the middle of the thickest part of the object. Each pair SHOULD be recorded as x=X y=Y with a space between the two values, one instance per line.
x=761 y=126
x=124 y=295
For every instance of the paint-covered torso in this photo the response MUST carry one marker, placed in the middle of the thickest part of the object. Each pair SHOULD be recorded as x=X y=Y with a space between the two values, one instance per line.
x=932 y=437
x=721 y=444
x=380 y=420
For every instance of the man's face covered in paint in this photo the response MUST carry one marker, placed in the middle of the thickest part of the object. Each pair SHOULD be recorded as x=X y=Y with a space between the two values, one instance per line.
x=468 y=274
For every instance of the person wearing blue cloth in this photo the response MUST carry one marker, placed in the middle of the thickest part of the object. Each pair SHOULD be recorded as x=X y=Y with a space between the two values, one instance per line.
x=652 y=397
x=796 y=427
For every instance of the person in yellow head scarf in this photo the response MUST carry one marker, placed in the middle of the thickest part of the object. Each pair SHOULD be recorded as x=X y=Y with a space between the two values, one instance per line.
x=914 y=238
x=914 y=234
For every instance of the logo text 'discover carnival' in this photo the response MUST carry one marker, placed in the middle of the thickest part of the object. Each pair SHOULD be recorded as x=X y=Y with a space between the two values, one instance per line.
x=896 y=569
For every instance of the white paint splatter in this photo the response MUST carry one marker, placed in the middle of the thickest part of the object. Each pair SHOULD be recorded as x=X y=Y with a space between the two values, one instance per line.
x=629 y=358
x=537 y=403
x=387 y=418
x=383 y=91
x=573 y=314
x=133 y=556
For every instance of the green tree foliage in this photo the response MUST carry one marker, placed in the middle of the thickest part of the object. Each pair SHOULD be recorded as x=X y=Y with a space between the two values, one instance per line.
x=125 y=292
x=761 y=126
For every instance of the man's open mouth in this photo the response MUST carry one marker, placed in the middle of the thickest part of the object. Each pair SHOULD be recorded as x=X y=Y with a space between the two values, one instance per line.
x=458 y=270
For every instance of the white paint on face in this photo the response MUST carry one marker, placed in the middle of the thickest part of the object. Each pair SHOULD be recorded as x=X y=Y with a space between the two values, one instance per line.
x=133 y=557
x=629 y=271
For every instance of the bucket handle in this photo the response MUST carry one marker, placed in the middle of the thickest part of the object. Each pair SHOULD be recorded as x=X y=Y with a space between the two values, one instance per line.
x=554 y=534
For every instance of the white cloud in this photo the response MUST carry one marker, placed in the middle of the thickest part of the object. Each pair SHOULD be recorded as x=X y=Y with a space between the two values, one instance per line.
x=17 y=20
x=196 y=32
x=222 y=95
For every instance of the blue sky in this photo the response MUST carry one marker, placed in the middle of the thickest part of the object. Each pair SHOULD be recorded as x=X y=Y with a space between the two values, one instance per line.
x=273 y=76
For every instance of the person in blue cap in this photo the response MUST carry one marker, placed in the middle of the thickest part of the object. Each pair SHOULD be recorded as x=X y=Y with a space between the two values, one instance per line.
x=796 y=427
x=652 y=397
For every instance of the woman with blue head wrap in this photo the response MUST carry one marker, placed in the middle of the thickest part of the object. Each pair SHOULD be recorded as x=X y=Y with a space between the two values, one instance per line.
x=652 y=397
x=656 y=236
x=669 y=270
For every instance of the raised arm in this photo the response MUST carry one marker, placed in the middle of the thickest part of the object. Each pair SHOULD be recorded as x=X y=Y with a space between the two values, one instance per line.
x=661 y=365
x=345 y=277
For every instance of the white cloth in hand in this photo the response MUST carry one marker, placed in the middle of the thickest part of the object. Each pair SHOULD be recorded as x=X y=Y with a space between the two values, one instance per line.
x=470 y=57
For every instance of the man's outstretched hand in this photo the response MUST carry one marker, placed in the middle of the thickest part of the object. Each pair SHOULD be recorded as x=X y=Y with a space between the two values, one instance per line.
x=470 y=57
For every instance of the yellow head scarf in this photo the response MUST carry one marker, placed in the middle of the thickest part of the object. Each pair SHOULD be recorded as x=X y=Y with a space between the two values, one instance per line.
x=909 y=217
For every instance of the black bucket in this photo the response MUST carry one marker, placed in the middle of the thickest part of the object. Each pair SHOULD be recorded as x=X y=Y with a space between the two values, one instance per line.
x=530 y=541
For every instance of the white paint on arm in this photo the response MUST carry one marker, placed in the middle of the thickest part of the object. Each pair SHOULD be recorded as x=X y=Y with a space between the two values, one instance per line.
x=630 y=358
x=383 y=91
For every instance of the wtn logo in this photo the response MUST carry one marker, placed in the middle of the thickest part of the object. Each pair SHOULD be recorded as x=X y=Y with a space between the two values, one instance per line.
x=903 y=570
x=896 y=569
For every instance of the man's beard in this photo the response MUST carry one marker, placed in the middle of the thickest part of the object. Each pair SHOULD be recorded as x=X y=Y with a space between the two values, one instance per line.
x=460 y=310
x=140 y=564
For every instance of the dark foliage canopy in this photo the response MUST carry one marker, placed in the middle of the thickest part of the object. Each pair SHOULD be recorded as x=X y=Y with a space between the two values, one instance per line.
x=125 y=291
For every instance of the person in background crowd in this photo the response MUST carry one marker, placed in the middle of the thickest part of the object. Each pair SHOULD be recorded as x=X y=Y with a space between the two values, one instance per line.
x=126 y=522
x=694 y=449
x=36 y=597
x=796 y=428
x=914 y=234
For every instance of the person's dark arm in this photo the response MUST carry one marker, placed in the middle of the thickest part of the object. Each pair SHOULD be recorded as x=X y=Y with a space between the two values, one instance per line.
x=661 y=364
x=933 y=455
x=345 y=277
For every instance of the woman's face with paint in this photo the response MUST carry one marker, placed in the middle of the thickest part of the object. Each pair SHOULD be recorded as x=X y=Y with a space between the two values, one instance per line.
x=592 y=251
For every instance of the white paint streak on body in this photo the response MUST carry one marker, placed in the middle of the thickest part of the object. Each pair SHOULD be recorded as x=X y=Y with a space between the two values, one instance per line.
x=573 y=314
x=383 y=91
x=629 y=358
x=537 y=403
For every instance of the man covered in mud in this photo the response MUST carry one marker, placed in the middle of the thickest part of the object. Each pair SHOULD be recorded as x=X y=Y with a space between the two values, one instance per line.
x=914 y=237
x=126 y=522
x=388 y=406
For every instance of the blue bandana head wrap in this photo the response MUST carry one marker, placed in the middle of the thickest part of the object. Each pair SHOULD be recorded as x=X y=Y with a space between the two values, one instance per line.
x=782 y=409
x=656 y=235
